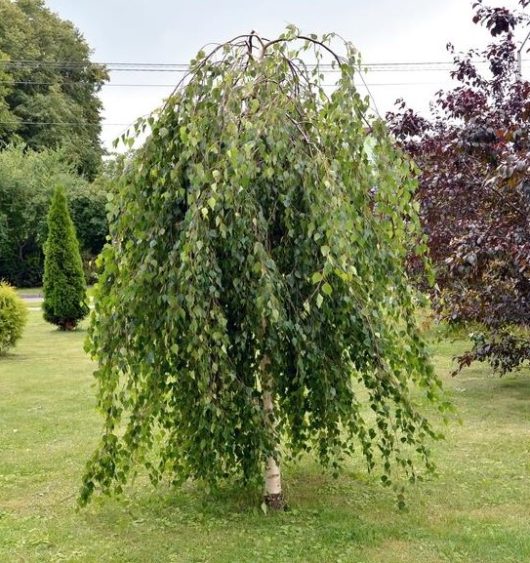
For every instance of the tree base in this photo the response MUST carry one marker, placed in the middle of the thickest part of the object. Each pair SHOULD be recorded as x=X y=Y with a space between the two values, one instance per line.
x=275 y=502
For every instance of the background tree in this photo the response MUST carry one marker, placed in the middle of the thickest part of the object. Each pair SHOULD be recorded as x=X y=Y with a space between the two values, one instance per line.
x=253 y=304
x=64 y=281
x=27 y=179
x=474 y=156
x=48 y=79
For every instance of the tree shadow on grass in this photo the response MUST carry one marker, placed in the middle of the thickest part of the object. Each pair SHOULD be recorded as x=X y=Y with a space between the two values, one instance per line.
x=484 y=394
x=230 y=519
x=13 y=357
x=517 y=386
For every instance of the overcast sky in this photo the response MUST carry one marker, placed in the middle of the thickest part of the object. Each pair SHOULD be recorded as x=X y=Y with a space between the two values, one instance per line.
x=172 y=31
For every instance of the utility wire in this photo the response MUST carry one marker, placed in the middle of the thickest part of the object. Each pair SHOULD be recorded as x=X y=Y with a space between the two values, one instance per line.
x=186 y=65
x=151 y=85
x=67 y=123
x=322 y=69
x=399 y=66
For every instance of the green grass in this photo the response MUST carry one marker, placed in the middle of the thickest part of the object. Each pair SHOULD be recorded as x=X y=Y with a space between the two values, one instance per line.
x=476 y=510
x=37 y=291
x=30 y=291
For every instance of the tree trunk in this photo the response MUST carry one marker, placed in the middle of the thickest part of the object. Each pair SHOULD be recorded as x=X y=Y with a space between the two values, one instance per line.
x=272 y=495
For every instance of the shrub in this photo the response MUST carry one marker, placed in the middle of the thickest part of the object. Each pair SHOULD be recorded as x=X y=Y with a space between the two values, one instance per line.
x=64 y=281
x=13 y=317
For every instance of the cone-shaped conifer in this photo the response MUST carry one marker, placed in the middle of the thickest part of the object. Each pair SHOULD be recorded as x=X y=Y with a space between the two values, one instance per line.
x=64 y=281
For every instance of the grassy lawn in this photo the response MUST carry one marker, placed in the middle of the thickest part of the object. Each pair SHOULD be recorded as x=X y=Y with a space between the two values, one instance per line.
x=477 y=510
x=37 y=291
x=30 y=292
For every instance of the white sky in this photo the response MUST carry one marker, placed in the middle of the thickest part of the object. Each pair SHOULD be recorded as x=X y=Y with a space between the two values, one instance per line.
x=172 y=31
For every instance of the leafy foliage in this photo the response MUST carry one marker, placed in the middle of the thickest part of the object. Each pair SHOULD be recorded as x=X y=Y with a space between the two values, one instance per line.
x=474 y=192
x=258 y=249
x=47 y=79
x=64 y=281
x=27 y=179
x=13 y=317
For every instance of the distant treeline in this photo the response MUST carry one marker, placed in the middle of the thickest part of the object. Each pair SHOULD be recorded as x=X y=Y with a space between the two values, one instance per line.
x=27 y=180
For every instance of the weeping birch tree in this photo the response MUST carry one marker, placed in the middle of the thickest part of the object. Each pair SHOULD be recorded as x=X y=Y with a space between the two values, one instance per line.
x=253 y=304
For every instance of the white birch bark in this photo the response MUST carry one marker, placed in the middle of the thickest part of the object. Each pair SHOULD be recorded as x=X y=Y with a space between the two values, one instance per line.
x=273 y=483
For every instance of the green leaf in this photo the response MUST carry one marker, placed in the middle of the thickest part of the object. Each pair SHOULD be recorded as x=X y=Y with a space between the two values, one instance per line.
x=316 y=277
x=327 y=289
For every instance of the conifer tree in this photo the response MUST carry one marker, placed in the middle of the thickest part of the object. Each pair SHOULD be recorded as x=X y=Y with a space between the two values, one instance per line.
x=64 y=281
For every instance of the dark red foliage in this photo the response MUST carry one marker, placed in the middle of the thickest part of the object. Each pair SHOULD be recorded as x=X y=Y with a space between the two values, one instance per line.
x=474 y=157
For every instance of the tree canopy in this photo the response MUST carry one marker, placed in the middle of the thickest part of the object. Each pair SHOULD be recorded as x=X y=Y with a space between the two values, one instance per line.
x=253 y=303
x=474 y=190
x=46 y=81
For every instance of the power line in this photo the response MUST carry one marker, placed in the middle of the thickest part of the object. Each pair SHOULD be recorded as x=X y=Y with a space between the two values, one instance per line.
x=186 y=65
x=33 y=62
x=323 y=69
x=67 y=123
x=151 y=85
x=398 y=66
